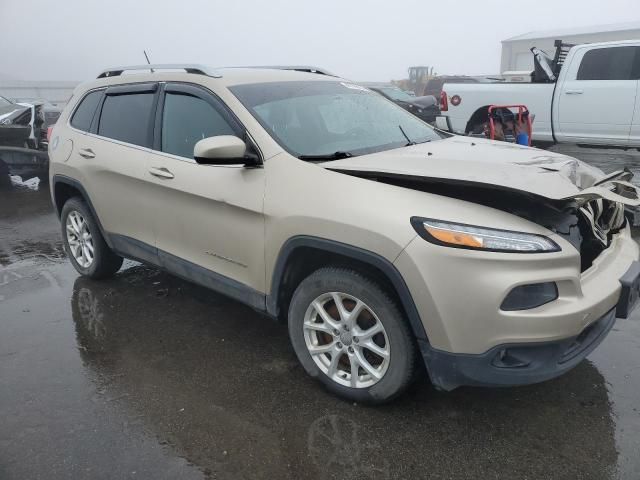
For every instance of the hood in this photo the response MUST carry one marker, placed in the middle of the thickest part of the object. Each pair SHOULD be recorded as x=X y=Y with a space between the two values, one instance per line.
x=424 y=102
x=462 y=160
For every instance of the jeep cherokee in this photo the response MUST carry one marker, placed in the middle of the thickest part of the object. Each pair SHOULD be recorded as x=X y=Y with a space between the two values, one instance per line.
x=384 y=243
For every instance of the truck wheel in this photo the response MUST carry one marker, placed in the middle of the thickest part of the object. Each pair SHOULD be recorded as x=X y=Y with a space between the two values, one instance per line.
x=349 y=334
x=477 y=129
x=89 y=253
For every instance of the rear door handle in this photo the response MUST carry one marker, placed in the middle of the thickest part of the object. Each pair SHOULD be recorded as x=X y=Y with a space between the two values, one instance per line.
x=160 y=172
x=86 y=153
x=574 y=92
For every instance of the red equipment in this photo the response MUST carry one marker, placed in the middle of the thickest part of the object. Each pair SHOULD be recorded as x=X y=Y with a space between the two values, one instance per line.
x=521 y=118
x=444 y=104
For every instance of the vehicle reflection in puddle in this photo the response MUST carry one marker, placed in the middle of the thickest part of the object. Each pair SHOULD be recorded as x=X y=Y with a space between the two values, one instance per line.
x=338 y=444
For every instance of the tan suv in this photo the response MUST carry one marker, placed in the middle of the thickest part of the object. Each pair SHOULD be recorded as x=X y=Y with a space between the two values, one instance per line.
x=378 y=239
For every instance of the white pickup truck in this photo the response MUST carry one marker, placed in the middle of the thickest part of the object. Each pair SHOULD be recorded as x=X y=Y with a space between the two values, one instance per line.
x=588 y=94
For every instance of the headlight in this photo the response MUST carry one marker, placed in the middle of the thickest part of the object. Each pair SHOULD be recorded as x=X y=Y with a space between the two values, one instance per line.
x=459 y=235
x=5 y=121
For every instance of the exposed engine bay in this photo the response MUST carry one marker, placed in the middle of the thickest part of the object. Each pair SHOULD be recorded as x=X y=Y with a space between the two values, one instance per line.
x=588 y=225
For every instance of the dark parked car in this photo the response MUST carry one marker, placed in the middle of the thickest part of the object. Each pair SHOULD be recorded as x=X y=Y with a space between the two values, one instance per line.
x=51 y=111
x=21 y=124
x=434 y=85
x=425 y=108
x=23 y=138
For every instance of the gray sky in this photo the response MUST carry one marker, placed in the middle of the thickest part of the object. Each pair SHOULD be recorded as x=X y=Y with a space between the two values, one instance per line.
x=358 y=39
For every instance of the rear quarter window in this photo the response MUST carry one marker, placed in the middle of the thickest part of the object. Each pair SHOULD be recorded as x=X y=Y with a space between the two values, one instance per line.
x=127 y=118
x=83 y=115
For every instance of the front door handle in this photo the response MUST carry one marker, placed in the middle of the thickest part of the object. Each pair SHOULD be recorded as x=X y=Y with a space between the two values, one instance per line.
x=86 y=153
x=574 y=92
x=160 y=172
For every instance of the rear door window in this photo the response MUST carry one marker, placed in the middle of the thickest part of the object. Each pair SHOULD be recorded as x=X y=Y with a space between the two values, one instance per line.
x=83 y=115
x=127 y=118
x=614 y=63
x=187 y=119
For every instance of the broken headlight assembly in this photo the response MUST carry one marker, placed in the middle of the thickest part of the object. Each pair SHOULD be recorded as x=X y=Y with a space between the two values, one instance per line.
x=460 y=235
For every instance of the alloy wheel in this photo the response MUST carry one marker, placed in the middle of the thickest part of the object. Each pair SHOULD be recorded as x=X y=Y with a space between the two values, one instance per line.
x=346 y=340
x=80 y=239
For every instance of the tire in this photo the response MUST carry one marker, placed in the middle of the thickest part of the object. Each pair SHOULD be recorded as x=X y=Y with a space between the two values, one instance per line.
x=308 y=330
x=104 y=262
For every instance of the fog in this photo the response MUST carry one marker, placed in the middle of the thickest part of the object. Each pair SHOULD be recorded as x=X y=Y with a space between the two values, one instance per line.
x=358 y=39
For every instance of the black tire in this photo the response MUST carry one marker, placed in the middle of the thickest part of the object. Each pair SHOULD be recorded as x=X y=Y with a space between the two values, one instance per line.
x=402 y=352
x=105 y=262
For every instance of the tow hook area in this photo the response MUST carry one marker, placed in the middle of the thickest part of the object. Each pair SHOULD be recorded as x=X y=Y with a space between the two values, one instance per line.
x=516 y=364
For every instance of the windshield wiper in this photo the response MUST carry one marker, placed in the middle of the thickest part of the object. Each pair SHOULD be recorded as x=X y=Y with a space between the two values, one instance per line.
x=327 y=156
x=409 y=141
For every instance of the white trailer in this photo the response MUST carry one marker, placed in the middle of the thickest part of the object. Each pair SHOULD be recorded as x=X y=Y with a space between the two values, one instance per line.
x=516 y=51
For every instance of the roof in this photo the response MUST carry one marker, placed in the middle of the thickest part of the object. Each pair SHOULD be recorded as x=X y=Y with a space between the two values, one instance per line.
x=565 y=32
x=238 y=75
x=228 y=76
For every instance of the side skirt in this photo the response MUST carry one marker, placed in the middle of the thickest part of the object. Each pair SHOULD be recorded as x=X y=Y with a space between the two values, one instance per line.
x=134 y=249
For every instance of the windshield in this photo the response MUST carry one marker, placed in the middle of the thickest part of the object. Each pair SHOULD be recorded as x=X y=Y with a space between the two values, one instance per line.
x=396 y=94
x=320 y=118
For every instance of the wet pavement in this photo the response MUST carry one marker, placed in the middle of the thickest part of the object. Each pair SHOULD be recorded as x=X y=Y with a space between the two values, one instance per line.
x=147 y=376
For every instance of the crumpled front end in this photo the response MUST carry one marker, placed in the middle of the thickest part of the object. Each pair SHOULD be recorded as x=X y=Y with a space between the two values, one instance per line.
x=461 y=294
x=474 y=340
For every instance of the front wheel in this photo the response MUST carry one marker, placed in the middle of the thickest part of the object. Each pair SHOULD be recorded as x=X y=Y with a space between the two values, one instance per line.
x=348 y=333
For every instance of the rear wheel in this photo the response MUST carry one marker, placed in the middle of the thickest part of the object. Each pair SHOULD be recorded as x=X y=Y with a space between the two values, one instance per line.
x=349 y=334
x=86 y=248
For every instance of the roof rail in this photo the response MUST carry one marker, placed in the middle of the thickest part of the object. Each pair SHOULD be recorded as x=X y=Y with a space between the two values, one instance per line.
x=297 y=68
x=189 y=68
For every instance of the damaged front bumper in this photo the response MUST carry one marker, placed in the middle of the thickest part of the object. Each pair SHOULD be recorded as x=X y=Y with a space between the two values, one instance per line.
x=472 y=341
x=517 y=363
x=527 y=363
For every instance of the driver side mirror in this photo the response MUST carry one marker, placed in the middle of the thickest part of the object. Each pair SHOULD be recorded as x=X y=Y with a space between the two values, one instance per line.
x=224 y=150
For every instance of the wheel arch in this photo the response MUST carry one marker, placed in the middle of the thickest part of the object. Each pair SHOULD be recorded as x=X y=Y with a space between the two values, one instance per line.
x=302 y=255
x=481 y=114
x=63 y=188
